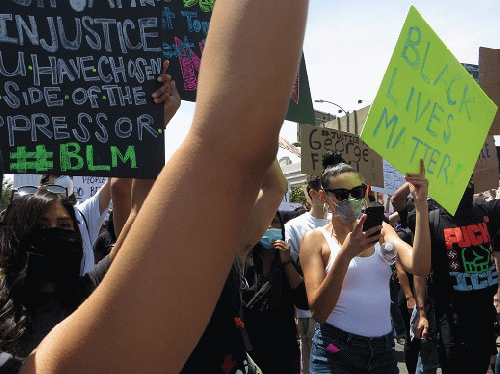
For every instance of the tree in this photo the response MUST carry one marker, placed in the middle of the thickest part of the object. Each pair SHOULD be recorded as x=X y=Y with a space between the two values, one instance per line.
x=297 y=195
x=6 y=192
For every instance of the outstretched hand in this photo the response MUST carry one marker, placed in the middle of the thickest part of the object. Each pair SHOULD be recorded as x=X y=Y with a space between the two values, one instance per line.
x=358 y=240
x=167 y=94
x=418 y=184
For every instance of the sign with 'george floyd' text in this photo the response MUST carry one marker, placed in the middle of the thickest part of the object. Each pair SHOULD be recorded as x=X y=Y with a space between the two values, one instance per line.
x=316 y=141
x=429 y=107
x=76 y=78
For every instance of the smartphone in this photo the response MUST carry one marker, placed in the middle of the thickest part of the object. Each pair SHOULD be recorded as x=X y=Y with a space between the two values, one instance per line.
x=375 y=213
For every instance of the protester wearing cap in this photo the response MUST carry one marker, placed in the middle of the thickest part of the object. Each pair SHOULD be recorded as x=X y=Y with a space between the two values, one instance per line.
x=90 y=214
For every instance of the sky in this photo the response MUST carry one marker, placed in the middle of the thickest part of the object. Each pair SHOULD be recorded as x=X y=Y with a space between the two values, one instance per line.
x=348 y=45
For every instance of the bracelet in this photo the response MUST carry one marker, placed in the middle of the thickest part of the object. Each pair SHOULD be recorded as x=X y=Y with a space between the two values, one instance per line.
x=286 y=262
x=420 y=307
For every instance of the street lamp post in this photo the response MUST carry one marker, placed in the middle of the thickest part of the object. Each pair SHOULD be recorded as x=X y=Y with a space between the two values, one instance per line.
x=340 y=111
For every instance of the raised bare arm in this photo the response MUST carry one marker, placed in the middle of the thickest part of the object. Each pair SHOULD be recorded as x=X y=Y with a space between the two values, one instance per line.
x=156 y=300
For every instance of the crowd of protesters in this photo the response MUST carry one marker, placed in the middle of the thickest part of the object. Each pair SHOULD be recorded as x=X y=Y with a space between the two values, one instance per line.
x=199 y=272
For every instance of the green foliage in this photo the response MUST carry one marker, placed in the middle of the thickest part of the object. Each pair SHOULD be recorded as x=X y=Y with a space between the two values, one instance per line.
x=297 y=195
x=6 y=191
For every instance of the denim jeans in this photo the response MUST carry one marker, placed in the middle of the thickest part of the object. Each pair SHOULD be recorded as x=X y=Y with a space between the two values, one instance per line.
x=306 y=330
x=355 y=355
x=497 y=364
x=428 y=358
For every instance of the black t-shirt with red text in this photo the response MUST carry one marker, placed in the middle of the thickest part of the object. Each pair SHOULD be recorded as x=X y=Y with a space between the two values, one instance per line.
x=463 y=271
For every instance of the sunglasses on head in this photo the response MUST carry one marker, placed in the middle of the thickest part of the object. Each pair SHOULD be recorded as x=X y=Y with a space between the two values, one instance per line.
x=31 y=190
x=358 y=192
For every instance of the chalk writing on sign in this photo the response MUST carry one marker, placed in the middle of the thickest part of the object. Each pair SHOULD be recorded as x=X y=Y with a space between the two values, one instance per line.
x=75 y=83
x=185 y=25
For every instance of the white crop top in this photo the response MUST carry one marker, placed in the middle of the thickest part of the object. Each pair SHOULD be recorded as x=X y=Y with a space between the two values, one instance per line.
x=364 y=304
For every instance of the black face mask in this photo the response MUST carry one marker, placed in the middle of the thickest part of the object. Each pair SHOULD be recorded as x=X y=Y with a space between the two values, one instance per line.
x=54 y=254
x=465 y=206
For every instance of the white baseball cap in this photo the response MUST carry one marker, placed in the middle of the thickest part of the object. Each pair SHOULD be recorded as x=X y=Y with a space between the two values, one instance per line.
x=66 y=182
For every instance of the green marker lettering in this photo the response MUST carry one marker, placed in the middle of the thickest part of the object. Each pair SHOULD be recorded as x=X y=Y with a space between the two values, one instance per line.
x=90 y=160
x=66 y=155
x=129 y=155
x=41 y=160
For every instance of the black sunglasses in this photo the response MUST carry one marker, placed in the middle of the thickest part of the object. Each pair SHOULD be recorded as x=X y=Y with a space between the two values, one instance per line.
x=358 y=192
x=31 y=190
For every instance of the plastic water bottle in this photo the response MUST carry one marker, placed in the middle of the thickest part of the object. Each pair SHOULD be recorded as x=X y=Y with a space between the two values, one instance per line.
x=388 y=252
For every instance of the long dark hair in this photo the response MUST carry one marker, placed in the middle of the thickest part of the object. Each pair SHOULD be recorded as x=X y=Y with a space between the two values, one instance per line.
x=282 y=223
x=21 y=217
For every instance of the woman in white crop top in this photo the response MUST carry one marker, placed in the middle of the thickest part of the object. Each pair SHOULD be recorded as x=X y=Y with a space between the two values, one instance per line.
x=347 y=281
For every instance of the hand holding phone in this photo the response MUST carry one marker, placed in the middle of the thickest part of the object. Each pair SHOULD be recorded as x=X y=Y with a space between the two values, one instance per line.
x=375 y=216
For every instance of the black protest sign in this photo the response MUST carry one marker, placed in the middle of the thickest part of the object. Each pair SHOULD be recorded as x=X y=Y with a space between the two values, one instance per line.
x=184 y=29
x=185 y=26
x=76 y=79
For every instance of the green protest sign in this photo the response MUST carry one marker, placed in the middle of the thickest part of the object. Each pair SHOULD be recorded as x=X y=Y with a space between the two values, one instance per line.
x=300 y=108
x=429 y=107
